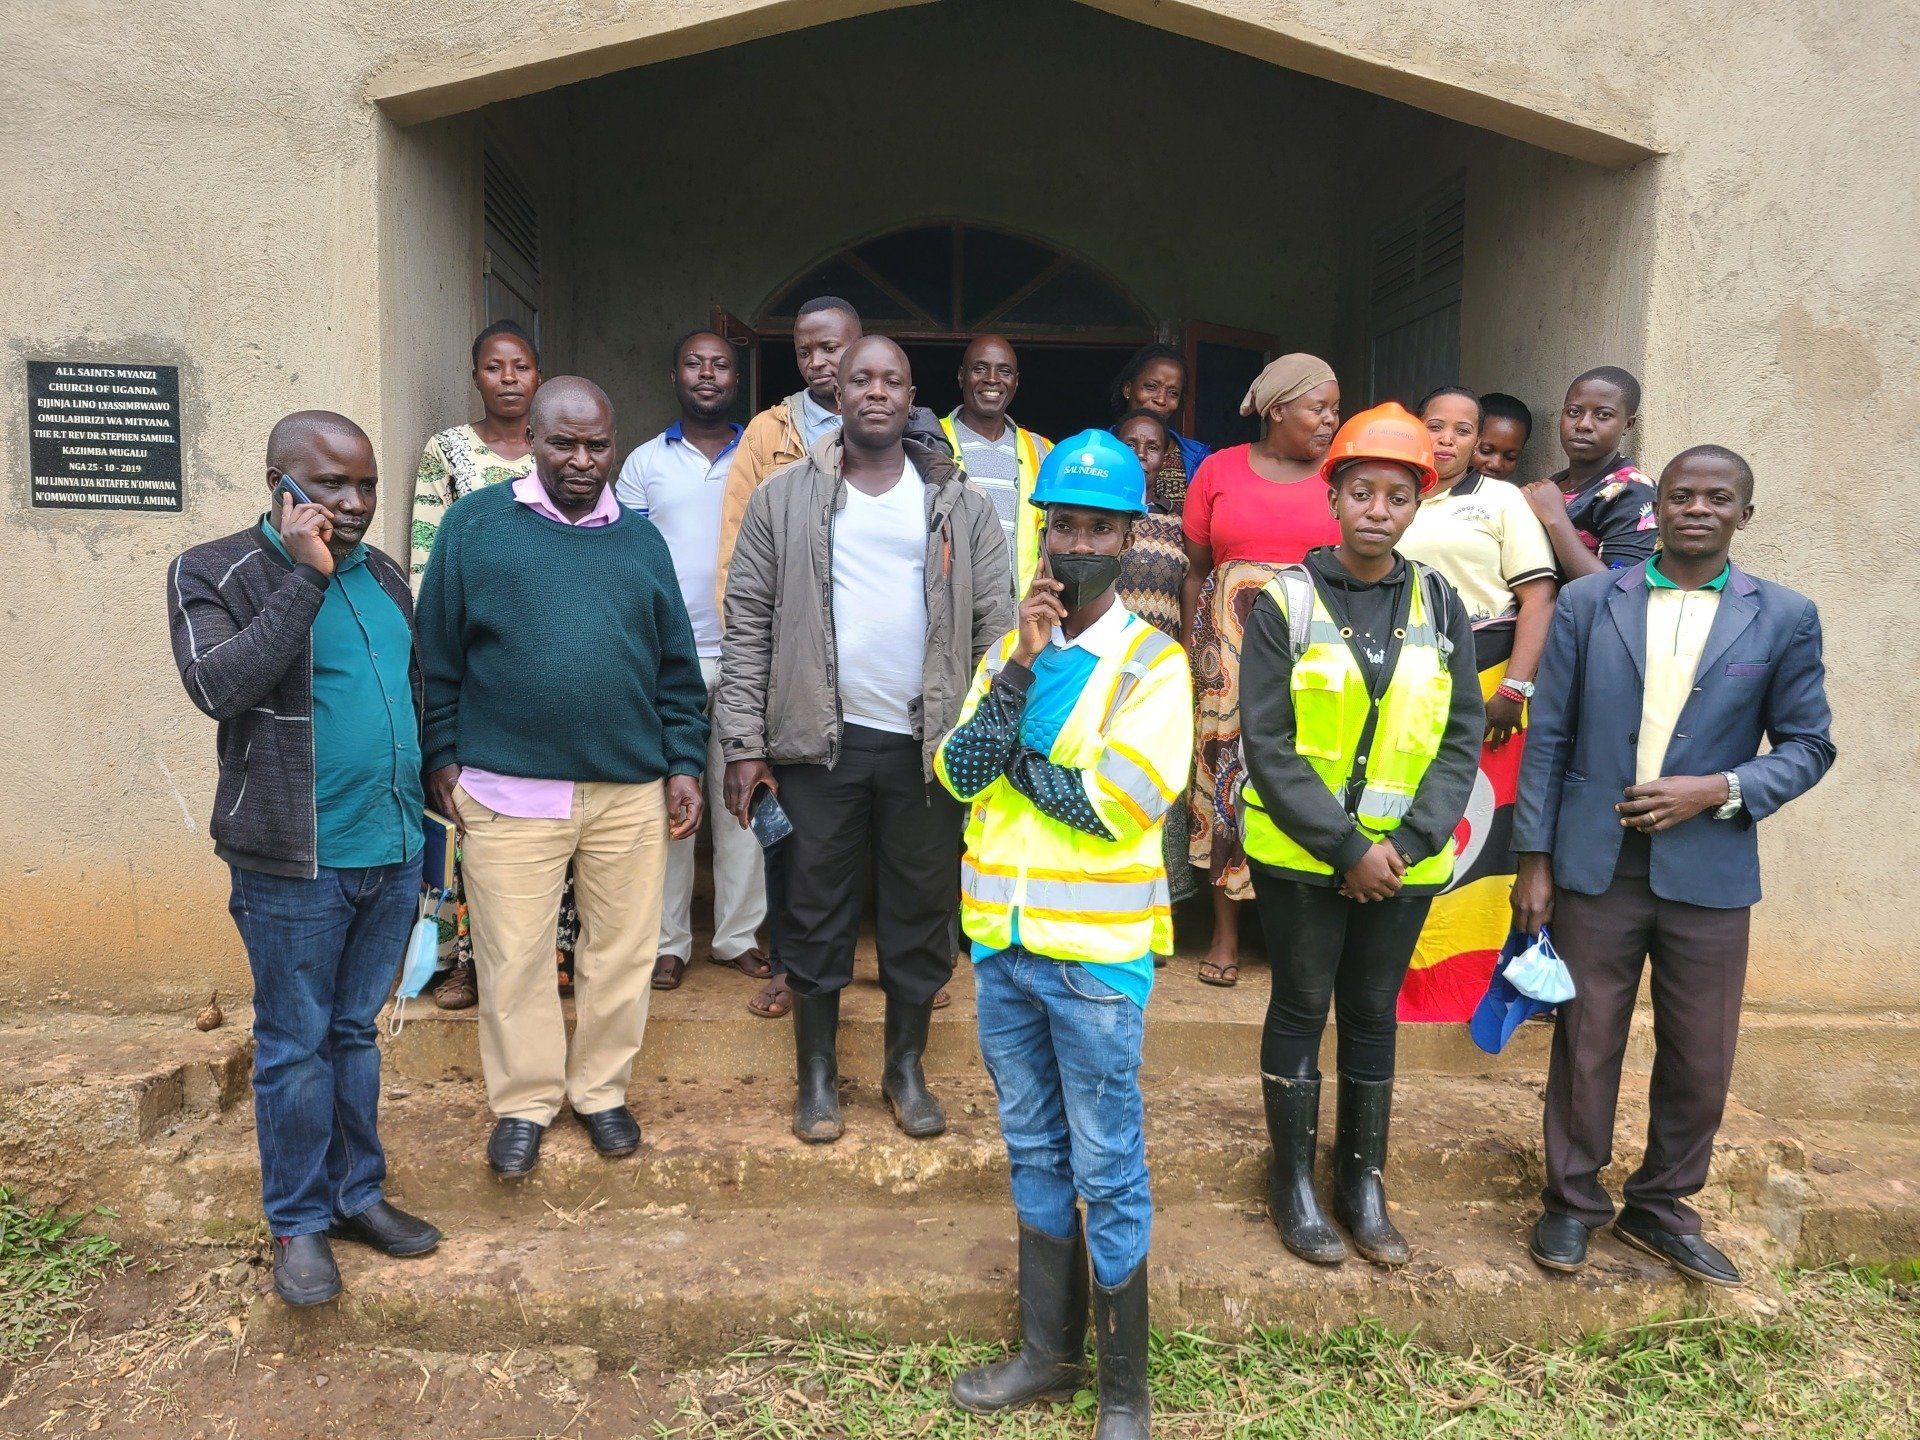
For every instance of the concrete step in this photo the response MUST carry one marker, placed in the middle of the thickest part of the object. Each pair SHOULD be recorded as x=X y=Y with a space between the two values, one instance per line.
x=675 y=1287
x=705 y=1028
x=77 y=1085
x=719 y=1146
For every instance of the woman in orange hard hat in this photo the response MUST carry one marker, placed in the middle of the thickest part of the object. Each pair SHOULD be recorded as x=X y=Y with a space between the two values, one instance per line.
x=1361 y=720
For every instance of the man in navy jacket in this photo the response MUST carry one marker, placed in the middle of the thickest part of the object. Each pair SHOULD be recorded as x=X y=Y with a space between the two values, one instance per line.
x=1641 y=787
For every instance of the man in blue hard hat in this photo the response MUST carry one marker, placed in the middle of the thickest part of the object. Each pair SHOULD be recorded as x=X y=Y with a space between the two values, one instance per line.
x=1074 y=741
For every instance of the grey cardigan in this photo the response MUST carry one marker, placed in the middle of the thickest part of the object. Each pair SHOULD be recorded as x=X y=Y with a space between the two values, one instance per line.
x=778 y=698
x=241 y=616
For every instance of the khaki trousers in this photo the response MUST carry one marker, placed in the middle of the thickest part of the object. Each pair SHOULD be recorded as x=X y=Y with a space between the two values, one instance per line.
x=515 y=869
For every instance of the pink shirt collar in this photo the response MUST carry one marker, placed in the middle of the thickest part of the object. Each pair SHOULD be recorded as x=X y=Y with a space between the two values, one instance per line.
x=530 y=492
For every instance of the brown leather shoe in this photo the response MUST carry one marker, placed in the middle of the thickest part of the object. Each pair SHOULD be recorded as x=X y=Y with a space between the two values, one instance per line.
x=458 y=990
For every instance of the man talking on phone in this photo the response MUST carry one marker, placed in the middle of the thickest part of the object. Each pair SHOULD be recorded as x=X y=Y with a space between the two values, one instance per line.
x=867 y=581
x=297 y=636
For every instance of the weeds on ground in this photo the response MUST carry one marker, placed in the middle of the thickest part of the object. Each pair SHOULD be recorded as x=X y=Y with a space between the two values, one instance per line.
x=47 y=1267
x=1843 y=1361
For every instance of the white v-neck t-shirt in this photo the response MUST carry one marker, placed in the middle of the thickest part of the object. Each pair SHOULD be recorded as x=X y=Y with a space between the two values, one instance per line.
x=880 y=603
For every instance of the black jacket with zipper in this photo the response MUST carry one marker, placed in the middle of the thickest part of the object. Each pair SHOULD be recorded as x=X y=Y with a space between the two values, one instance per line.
x=241 y=615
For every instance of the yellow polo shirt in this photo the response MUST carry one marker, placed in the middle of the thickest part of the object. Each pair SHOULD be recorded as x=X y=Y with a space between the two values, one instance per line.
x=1677 y=625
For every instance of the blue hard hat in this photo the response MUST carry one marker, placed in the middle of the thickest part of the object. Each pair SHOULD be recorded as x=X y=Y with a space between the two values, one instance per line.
x=1095 y=470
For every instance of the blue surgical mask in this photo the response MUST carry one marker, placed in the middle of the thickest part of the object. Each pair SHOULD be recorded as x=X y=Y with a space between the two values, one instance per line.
x=416 y=969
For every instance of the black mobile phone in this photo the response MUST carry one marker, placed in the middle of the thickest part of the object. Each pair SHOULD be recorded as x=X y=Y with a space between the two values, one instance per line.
x=288 y=486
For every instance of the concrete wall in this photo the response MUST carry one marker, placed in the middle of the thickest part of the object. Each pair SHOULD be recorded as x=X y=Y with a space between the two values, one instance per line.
x=208 y=195
x=1206 y=184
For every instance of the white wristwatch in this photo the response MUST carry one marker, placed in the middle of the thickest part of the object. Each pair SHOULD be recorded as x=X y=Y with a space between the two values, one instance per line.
x=1732 y=807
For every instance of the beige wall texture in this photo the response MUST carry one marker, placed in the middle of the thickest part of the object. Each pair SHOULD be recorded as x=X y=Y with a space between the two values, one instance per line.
x=282 y=202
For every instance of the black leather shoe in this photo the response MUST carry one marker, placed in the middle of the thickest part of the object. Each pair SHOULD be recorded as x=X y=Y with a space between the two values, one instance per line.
x=303 y=1270
x=614 y=1132
x=1559 y=1242
x=1689 y=1254
x=390 y=1231
x=515 y=1148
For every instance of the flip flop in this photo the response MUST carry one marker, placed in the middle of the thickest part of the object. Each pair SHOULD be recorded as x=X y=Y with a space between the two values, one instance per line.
x=751 y=963
x=669 y=971
x=773 y=1000
x=1226 y=976
x=943 y=999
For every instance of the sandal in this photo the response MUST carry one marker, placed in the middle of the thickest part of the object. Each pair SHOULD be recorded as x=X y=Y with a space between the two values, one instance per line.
x=943 y=999
x=1225 y=976
x=458 y=990
x=669 y=972
x=773 y=1000
x=751 y=963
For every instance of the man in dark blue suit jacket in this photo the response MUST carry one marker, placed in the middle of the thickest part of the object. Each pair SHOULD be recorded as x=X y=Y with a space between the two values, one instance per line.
x=1639 y=792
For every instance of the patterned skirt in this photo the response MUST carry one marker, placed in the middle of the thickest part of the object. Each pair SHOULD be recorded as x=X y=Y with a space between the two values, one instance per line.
x=1214 y=802
x=1152 y=571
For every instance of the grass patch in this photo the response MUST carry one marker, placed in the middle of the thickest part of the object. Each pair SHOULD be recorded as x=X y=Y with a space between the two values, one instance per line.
x=46 y=1269
x=1844 y=1361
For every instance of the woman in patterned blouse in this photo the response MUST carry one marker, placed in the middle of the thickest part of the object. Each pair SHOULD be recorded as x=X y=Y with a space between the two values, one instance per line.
x=465 y=458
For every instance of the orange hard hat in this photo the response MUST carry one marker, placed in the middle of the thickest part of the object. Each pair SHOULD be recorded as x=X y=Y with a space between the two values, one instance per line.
x=1386 y=432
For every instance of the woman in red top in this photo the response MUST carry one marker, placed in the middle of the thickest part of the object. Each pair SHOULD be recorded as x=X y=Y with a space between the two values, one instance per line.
x=1250 y=510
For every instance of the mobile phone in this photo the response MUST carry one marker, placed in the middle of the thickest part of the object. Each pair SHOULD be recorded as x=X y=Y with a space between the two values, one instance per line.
x=768 y=819
x=289 y=486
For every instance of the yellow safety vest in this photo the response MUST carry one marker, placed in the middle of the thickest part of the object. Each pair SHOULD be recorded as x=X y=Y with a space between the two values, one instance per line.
x=1077 y=896
x=1026 y=523
x=1330 y=708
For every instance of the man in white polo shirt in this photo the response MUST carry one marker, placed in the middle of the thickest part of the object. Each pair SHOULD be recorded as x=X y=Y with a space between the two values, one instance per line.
x=678 y=480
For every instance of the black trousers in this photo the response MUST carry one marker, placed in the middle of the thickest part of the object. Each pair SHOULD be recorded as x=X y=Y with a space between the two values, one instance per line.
x=876 y=807
x=1699 y=963
x=1324 y=948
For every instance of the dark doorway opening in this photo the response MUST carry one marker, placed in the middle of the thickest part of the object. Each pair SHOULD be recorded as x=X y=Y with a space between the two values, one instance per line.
x=1063 y=387
x=933 y=287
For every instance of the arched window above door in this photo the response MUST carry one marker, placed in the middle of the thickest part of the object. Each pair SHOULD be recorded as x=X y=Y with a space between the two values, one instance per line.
x=951 y=278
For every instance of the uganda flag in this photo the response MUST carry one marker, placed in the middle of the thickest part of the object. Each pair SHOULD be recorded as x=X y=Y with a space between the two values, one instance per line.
x=1454 y=957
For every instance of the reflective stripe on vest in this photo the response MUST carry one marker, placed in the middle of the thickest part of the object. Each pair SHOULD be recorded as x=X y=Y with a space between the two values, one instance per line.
x=1026 y=518
x=1072 y=895
x=1331 y=705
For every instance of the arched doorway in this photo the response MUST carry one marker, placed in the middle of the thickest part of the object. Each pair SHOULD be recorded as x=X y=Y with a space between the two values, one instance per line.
x=933 y=286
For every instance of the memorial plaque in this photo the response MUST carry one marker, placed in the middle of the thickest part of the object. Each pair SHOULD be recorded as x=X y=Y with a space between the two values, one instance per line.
x=104 y=436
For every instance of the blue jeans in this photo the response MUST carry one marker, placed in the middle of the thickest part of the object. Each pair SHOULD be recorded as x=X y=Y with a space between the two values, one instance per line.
x=324 y=953
x=1063 y=1048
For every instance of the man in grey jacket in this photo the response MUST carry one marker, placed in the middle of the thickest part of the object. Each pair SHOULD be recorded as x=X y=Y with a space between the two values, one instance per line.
x=867 y=581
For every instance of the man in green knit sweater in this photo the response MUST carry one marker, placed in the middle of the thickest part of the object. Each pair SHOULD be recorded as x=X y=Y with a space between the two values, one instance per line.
x=565 y=724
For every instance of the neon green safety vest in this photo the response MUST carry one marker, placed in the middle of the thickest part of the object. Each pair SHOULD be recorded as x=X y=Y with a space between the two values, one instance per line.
x=1026 y=523
x=1330 y=709
x=1079 y=896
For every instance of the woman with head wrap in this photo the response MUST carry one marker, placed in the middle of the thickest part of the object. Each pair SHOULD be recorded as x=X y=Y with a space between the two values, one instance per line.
x=1250 y=510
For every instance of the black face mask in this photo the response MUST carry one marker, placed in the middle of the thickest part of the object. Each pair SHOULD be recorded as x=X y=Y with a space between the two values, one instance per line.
x=1084 y=577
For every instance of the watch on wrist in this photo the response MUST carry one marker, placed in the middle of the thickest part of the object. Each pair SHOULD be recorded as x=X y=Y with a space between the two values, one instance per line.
x=1523 y=688
x=1732 y=807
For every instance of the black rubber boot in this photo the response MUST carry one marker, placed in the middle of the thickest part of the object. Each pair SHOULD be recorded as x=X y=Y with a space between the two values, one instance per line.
x=903 y=1082
x=1360 y=1154
x=1051 y=1363
x=816 y=1030
x=1293 y=1125
x=1120 y=1358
